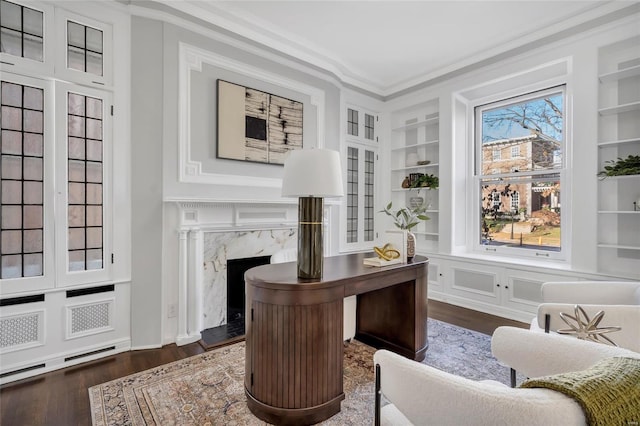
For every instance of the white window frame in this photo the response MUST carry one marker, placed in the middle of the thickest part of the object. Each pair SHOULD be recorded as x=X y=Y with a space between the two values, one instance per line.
x=565 y=184
x=47 y=279
x=66 y=277
x=56 y=80
x=515 y=151
x=68 y=74
x=30 y=67
x=362 y=144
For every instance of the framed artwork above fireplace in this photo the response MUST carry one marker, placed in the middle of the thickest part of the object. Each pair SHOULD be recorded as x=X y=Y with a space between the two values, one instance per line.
x=256 y=126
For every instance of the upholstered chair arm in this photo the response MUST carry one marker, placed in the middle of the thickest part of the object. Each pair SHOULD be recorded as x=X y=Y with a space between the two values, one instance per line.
x=540 y=354
x=422 y=395
x=627 y=317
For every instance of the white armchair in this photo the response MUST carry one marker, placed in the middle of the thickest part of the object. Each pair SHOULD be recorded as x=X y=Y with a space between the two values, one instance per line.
x=350 y=303
x=419 y=394
x=620 y=302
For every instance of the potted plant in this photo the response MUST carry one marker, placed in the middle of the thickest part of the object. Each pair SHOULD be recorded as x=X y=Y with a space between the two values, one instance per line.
x=426 y=181
x=406 y=218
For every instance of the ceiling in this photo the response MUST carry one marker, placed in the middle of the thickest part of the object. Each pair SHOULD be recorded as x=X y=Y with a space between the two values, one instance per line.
x=387 y=46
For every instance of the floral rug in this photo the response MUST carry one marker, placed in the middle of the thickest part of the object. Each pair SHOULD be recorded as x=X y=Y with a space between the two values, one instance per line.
x=208 y=389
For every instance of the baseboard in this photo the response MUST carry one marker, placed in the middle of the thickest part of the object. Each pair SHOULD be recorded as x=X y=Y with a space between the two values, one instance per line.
x=487 y=308
x=61 y=360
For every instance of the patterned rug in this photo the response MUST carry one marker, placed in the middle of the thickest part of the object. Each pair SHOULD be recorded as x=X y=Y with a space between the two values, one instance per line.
x=208 y=389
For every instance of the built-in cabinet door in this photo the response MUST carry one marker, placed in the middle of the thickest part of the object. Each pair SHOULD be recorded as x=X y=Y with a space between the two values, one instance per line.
x=521 y=290
x=434 y=276
x=478 y=282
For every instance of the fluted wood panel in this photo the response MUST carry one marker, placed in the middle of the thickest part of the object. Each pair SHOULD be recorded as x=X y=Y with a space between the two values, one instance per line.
x=294 y=336
x=299 y=360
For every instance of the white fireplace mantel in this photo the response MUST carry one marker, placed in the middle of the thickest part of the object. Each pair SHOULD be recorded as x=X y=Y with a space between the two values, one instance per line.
x=204 y=224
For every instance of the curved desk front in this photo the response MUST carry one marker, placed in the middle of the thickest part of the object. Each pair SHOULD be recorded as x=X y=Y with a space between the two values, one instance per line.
x=294 y=343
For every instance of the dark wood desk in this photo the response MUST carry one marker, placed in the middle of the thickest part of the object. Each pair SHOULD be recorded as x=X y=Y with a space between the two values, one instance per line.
x=294 y=342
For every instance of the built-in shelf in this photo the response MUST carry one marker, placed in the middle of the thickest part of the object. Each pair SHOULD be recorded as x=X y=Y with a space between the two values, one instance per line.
x=426 y=122
x=631 y=106
x=433 y=234
x=422 y=166
x=620 y=74
x=416 y=145
x=618 y=142
x=618 y=246
x=616 y=178
x=618 y=212
x=411 y=189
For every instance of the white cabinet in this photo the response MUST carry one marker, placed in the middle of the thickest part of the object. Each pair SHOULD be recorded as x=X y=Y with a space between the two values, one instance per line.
x=415 y=147
x=492 y=288
x=619 y=137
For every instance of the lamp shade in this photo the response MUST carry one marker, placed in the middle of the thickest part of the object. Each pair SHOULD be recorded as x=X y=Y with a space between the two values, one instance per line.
x=312 y=173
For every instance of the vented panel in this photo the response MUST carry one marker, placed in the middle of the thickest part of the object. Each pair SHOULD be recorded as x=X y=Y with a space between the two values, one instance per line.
x=527 y=290
x=89 y=318
x=474 y=281
x=20 y=330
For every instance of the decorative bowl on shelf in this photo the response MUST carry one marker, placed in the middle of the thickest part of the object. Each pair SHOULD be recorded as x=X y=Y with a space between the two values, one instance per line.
x=423 y=162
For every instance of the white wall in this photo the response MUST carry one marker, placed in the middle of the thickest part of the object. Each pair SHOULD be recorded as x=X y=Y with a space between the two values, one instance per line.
x=156 y=97
x=580 y=54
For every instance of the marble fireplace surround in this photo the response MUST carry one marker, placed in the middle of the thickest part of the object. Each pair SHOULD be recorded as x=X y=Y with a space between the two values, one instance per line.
x=212 y=231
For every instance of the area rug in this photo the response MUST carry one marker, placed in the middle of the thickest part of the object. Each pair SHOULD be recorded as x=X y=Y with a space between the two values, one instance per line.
x=208 y=389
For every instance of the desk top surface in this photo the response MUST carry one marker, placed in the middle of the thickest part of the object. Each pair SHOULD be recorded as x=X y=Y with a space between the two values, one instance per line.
x=336 y=270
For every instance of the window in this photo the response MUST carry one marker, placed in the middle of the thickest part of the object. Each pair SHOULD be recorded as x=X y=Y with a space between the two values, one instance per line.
x=361 y=149
x=515 y=201
x=520 y=208
x=352 y=195
x=54 y=229
x=22 y=181
x=84 y=48
x=368 y=195
x=369 y=126
x=515 y=151
x=352 y=122
x=85 y=175
x=21 y=32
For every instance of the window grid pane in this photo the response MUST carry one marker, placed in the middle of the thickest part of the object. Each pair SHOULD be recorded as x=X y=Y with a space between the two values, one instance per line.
x=352 y=122
x=84 y=48
x=22 y=182
x=352 y=195
x=520 y=147
x=369 y=124
x=369 y=158
x=21 y=30
x=85 y=176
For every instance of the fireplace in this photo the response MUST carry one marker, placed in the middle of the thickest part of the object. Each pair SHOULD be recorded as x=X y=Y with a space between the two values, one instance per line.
x=212 y=232
x=233 y=329
x=235 y=284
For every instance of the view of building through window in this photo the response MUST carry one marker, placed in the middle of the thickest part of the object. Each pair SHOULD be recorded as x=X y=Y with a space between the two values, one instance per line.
x=519 y=147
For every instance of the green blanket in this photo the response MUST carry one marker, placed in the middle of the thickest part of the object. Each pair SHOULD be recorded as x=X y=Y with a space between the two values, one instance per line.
x=609 y=392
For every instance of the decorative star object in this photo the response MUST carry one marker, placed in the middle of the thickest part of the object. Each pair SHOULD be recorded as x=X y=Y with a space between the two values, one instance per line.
x=587 y=329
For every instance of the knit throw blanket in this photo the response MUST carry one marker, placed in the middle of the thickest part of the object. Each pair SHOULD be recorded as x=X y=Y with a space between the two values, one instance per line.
x=609 y=392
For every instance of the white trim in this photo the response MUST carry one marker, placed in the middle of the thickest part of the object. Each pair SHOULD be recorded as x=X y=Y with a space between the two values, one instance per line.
x=47 y=279
x=56 y=361
x=69 y=334
x=41 y=314
x=191 y=58
x=104 y=81
x=64 y=276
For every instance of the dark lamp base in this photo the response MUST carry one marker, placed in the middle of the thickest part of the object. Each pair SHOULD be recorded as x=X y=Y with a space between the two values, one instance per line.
x=310 y=250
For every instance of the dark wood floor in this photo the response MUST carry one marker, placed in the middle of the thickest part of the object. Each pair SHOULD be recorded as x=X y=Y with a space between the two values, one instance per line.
x=61 y=397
